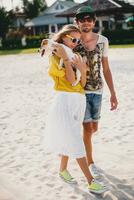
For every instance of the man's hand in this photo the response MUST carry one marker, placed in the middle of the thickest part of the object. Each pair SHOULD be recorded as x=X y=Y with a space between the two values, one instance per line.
x=113 y=101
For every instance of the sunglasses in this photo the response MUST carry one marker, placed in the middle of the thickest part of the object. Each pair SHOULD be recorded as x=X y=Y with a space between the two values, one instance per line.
x=74 y=40
x=84 y=19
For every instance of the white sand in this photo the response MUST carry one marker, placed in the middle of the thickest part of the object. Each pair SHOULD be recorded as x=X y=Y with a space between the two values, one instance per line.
x=26 y=172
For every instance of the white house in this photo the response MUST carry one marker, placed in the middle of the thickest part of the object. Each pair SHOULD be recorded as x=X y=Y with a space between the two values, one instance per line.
x=111 y=14
x=47 y=22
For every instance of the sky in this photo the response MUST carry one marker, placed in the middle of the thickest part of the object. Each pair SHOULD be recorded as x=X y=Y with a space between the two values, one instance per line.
x=9 y=4
x=13 y=3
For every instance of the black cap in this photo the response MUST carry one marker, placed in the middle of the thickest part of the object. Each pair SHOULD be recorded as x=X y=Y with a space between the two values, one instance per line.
x=85 y=10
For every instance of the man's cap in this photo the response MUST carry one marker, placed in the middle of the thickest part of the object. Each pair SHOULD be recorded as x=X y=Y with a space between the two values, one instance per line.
x=84 y=10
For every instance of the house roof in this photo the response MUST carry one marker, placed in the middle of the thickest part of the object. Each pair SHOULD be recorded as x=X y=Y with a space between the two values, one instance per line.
x=48 y=16
x=63 y=5
x=45 y=20
x=99 y=6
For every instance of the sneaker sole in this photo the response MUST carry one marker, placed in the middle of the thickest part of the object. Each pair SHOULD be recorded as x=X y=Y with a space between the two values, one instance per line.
x=98 y=192
x=66 y=181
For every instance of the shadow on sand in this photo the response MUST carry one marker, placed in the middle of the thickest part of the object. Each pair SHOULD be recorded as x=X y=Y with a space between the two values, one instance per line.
x=118 y=189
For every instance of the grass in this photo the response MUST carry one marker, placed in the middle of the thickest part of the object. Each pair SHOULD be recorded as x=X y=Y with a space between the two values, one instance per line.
x=35 y=50
x=122 y=46
x=18 y=51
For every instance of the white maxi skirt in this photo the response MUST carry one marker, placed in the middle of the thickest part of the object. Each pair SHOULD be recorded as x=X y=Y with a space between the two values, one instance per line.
x=64 y=125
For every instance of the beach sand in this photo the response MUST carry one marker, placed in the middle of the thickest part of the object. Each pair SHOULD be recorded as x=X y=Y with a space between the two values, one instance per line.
x=26 y=171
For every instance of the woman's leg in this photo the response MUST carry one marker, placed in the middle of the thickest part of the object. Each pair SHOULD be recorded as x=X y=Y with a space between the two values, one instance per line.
x=64 y=174
x=84 y=167
x=64 y=162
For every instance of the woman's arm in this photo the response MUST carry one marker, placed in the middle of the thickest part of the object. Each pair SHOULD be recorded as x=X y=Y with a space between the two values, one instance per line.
x=69 y=73
x=82 y=67
x=83 y=78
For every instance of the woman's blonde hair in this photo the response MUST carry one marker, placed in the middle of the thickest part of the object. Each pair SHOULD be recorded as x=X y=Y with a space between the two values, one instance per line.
x=67 y=29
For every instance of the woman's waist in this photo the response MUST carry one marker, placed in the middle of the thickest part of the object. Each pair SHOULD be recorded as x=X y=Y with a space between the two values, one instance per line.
x=70 y=98
x=67 y=89
x=68 y=93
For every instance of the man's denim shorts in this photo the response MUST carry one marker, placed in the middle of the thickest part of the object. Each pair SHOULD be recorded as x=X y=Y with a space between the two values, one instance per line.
x=93 y=107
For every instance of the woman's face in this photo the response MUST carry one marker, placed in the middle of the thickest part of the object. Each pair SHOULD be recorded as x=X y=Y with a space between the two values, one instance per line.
x=72 y=39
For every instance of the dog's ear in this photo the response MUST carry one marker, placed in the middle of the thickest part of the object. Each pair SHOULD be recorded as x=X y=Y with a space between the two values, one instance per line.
x=44 y=42
x=43 y=52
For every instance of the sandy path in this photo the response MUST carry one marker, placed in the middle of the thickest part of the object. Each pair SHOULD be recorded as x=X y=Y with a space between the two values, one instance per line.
x=26 y=172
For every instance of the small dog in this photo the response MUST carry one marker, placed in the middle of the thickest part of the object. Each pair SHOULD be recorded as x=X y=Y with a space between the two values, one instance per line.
x=46 y=47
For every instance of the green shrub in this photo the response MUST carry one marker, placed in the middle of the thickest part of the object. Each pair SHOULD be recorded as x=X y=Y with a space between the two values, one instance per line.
x=15 y=42
x=34 y=41
x=11 y=43
x=120 y=36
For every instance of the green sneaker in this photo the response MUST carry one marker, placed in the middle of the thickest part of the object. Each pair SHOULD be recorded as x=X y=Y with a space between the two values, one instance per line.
x=65 y=175
x=96 y=187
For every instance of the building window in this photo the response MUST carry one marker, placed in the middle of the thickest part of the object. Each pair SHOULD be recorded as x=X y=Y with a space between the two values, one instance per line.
x=96 y=28
x=105 y=25
x=59 y=7
x=53 y=29
x=97 y=24
x=41 y=30
x=60 y=26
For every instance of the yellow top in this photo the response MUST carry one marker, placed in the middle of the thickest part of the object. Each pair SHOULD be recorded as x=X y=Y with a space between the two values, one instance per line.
x=58 y=76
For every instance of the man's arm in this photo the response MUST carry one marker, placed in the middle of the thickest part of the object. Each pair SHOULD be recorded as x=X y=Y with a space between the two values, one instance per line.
x=109 y=81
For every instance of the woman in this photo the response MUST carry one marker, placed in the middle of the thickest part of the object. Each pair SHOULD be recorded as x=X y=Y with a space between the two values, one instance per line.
x=63 y=127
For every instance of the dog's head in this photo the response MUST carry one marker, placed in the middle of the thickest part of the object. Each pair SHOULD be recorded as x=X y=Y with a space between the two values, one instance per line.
x=44 y=46
x=47 y=46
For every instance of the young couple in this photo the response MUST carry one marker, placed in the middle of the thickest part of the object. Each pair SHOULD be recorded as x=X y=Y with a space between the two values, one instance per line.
x=79 y=104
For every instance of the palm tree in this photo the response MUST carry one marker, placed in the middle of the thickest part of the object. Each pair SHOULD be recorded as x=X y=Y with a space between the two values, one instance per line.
x=33 y=8
x=4 y=22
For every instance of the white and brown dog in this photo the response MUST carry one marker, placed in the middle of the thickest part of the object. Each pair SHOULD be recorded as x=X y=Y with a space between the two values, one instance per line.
x=46 y=47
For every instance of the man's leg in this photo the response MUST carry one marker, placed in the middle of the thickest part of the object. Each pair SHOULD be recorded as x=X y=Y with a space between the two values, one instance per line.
x=90 y=124
x=89 y=129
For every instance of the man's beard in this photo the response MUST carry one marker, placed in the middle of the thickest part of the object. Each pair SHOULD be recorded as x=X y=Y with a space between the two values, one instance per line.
x=86 y=29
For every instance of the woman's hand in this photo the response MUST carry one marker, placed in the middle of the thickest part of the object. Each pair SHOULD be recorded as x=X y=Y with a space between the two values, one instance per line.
x=79 y=63
x=59 y=51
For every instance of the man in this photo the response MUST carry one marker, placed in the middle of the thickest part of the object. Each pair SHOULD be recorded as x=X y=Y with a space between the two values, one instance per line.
x=94 y=50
